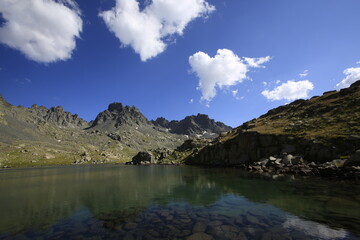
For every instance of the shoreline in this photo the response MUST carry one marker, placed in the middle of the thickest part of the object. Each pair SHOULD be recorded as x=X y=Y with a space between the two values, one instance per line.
x=305 y=170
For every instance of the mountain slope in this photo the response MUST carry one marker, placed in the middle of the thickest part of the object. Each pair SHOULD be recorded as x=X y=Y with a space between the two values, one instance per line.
x=321 y=129
x=41 y=136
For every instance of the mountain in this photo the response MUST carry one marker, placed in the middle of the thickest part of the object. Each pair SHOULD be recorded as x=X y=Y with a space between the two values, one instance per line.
x=45 y=136
x=117 y=115
x=199 y=124
x=58 y=117
x=320 y=129
x=20 y=123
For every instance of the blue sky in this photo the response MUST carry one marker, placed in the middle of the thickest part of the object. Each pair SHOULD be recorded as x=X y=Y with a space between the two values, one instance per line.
x=92 y=60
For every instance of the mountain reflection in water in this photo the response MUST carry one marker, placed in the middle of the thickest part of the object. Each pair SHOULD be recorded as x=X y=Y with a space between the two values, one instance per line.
x=176 y=202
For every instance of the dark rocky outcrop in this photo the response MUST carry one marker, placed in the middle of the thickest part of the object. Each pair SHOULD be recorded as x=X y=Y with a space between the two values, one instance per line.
x=193 y=125
x=143 y=158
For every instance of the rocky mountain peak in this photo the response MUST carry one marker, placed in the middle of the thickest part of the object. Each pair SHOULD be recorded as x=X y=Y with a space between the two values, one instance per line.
x=58 y=116
x=117 y=115
x=193 y=125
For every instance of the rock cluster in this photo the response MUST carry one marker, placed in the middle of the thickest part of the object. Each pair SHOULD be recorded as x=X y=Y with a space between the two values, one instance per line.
x=289 y=164
x=250 y=146
x=196 y=224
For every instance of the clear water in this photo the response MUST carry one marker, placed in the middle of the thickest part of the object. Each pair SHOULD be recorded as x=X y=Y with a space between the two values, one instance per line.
x=172 y=202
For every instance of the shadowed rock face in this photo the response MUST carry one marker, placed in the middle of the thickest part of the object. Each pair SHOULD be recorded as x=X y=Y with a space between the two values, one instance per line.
x=117 y=115
x=191 y=125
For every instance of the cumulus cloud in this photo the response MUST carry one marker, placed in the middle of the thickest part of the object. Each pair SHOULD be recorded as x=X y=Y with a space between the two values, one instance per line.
x=223 y=70
x=147 y=30
x=43 y=30
x=352 y=75
x=304 y=74
x=290 y=90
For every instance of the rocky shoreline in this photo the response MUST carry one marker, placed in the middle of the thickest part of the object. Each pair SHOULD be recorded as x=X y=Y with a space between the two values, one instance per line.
x=282 y=165
x=287 y=164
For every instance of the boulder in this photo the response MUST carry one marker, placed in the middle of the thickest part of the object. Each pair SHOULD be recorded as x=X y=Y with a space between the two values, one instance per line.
x=273 y=159
x=287 y=159
x=143 y=158
x=49 y=156
x=200 y=236
x=338 y=162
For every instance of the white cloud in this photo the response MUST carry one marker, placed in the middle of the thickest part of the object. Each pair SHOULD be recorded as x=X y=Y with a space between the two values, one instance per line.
x=147 y=30
x=223 y=70
x=191 y=100
x=358 y=62
x=264 y=83
x=304 y=74
x=256 y=62
x=43 y=30
x=277 y=81
x=352 y=75
x=290 y=90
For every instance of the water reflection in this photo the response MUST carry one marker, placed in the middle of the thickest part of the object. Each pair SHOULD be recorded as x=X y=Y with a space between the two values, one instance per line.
x=129 y=201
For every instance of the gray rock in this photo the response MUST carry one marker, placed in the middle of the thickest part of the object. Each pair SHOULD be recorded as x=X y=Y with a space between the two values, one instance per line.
x=199 y=227
x=200 y=236
x=338 y=162
x=287 y=159
x=264 y=162
x=49 y=156
x=271 y=158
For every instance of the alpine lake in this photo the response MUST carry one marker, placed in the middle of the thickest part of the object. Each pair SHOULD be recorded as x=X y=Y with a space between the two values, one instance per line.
x=173 y=202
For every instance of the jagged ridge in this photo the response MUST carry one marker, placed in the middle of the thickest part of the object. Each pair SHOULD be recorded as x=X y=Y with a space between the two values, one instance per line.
x=191 y=125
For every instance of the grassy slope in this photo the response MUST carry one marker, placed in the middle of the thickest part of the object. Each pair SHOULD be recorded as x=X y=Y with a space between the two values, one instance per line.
x=335 y=114
x=24 y=141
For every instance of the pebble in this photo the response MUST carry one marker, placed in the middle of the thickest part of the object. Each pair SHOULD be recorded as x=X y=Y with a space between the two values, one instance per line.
x=200 y=236
x=199 y=227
